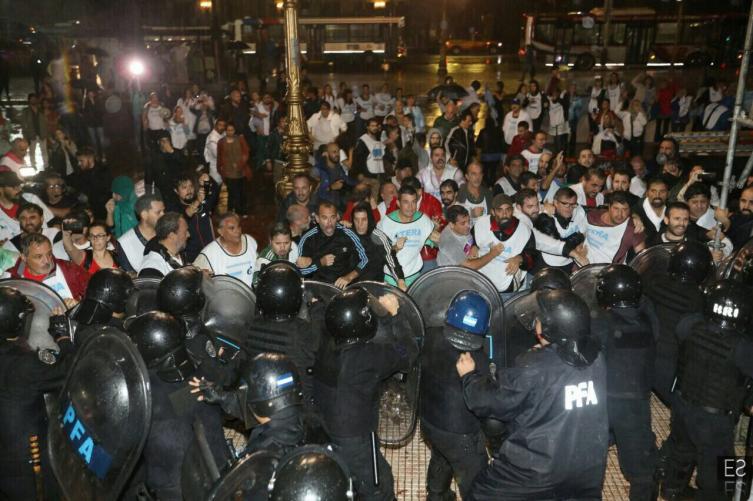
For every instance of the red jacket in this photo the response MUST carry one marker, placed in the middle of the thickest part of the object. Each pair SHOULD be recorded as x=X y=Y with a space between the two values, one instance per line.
x=519 y=143
x=432 y=207
x=75 y=276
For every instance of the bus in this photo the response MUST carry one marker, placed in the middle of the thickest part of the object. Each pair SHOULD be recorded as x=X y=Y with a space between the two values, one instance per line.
x=367 y=39
x=637 y=36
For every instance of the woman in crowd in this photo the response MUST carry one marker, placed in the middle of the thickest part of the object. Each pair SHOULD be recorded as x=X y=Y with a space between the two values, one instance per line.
x=377 y=245
x=62 y=153
x=98 y=255
x=232 y=163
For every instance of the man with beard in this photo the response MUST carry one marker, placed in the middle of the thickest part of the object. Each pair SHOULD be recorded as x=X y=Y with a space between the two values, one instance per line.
x=576 y=171
x=502 y=227
x=281 y=248
x=589 y=189
x=38 y=264
x=509 y=183
x=333 y=178
x=164 y=253
x=130 y=246
x=432 y=176
x=652 y=210
x=671 y=172
x=621 y=182
x=92 y=181
x=298 y=219
x=30 y=221
x=473 y=195
x=527 y=209
x=448 y=192
x=197 y=206
x=703 y=219
x=610 y=232
x=301 y=195
x=668 y=150
x=674 y=226
x=741 y=222
x=368 y=157
x=331 y=252
x=232 y=253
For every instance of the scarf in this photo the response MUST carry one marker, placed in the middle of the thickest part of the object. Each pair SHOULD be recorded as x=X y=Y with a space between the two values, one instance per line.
x=124 y=217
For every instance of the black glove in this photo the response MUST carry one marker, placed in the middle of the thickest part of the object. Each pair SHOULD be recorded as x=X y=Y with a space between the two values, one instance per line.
x=213 y=393
x=59 y=327
x=572 y=242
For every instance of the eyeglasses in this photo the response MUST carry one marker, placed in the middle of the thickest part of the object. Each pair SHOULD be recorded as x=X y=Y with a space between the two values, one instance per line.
x=55 y=186
x=101 y=236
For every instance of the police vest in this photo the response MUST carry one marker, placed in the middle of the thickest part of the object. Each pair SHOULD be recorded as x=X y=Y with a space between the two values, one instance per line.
x=374 y=162
x=495 y=270
x=630 y=354
x=672 y=300
x=240 y=266
x=706 y=372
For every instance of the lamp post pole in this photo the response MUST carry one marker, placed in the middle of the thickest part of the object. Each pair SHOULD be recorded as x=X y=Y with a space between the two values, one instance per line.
x=442 y=69
x=297 y=144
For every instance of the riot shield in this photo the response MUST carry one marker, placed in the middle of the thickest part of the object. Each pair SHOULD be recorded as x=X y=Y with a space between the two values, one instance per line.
x=45 y=300
x=100 y=422
x=144 y=297
x=247 y=479
x=520 y=312
x=433 y=293
x=584 y=283
x=399 y=393
x=738 y=266
x=653 y=260
x=322 y=291
x=229 y=308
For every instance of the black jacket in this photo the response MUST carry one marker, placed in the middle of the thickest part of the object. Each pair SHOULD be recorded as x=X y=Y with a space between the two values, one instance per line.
x=557 y=418
x=344 y=244
x=96 y=186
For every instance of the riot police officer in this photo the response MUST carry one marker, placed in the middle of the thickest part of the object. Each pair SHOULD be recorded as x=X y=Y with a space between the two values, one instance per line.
x=280 y=326
x=451 y=430
x=25 y=375
x=628 y=329
x=271 y=392
x=713 y=365
x=349 y=368
x=675 y=294
x=161 y=342
x=554 y=401
x=550 y=278
x=104 y=303
x=312 y=472
x=218 y=357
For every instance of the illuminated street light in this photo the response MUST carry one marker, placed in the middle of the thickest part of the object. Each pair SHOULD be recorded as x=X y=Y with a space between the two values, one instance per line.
x=279 y=5
x=380 y=4
x=136 y=68
x=205 y=4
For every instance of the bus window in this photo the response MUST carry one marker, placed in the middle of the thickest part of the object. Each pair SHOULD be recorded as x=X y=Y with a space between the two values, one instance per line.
x=336 y=33
x=364 y=33
x=666 y=33
x=544 y=33
x=617 y=34
x=586 y=36
x=697 y=33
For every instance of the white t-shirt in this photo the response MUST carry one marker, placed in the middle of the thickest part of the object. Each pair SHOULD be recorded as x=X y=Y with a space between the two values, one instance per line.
x=417 y=232
x=217 y=260
x=430 y=183
x=155 y=261
x=367 y=105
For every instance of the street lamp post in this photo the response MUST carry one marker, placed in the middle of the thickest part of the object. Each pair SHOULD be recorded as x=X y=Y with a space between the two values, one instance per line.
x=442 y=69
x=297 y=145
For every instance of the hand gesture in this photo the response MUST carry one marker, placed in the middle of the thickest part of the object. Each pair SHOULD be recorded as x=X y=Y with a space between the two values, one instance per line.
x=497 y=249
x=400 y=243
x=465 y=364
x=390 y=303
x=327 y=260
x=110 y=206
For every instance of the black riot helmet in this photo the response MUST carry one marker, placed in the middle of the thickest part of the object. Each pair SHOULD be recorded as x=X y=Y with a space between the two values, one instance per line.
x=566 y=322
x=690 y=262
x=107 y=293
x=349 y=317
x=279 y=292
x=309 y=473
x=729 y=304
x=160 y=340
x=550 y=278
x=271 y=383
x=16 y=311
x=618 y=286
x=180 y=292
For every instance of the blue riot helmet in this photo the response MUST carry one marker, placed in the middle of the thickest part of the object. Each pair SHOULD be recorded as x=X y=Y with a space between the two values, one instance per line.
x=467 y=320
